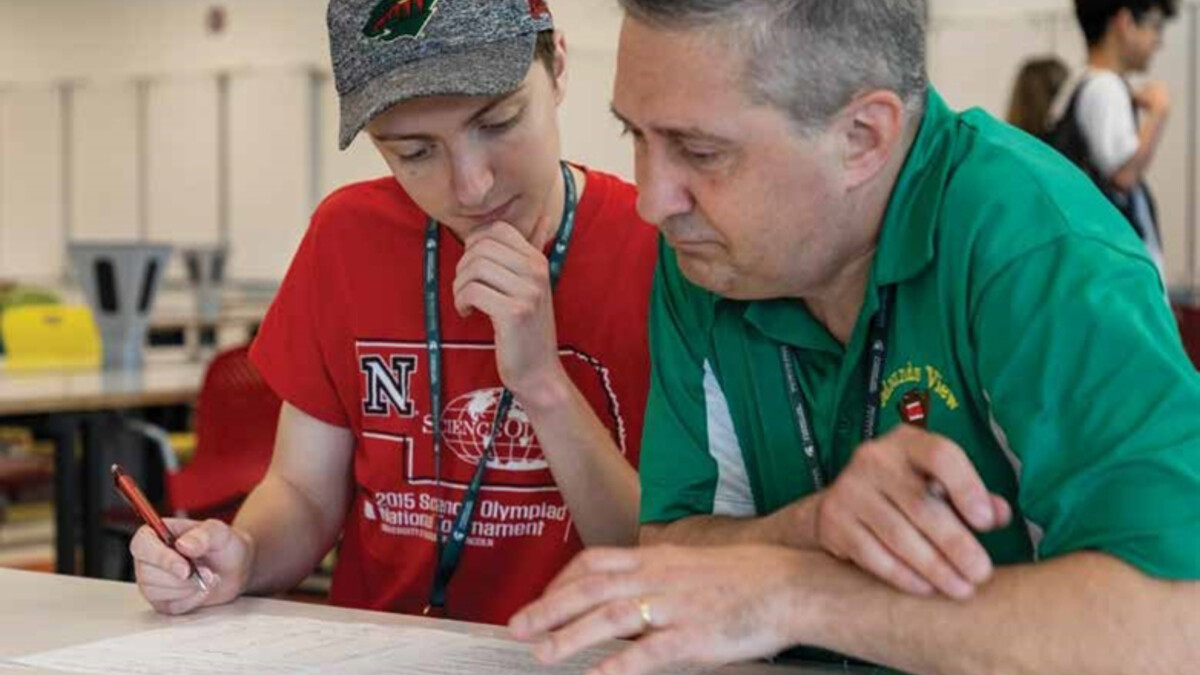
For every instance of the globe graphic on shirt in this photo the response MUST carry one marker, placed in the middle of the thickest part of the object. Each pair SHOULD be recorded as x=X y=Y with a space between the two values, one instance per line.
x=468 y=420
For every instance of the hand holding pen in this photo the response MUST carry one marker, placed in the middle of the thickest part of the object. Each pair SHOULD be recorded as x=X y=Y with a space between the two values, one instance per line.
x=136 y=499
x=907 y=509
x=184 y=564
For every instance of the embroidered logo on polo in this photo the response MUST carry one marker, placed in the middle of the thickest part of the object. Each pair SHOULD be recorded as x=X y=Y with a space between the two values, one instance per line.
x=918 y=386
x=392 y=19
x=914 y=407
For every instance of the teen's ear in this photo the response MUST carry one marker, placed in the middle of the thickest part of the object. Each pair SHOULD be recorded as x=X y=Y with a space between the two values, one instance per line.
x=560 y=67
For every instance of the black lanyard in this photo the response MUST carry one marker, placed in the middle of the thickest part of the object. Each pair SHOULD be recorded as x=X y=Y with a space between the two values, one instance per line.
x=449 y=551
x=877 y=344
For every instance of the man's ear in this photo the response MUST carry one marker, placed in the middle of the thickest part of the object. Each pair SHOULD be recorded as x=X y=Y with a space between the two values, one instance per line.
x=560 y=67
x=871 y=129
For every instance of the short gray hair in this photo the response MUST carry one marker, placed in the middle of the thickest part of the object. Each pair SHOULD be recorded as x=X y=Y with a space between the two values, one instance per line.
x=810 y=58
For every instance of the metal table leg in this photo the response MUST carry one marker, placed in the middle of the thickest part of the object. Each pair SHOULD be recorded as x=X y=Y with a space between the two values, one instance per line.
x=63 y=431
x=95 y=481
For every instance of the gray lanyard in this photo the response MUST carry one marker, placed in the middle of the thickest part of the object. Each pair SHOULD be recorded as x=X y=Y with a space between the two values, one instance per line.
x=449 y=550
x=877 y=343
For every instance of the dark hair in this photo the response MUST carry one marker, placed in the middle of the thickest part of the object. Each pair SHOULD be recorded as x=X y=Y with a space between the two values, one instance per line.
x=544 y=50
x=1095 y=15
x=1034 y=91
x=810 y=58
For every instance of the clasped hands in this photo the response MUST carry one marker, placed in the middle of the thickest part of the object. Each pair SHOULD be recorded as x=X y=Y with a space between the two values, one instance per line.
x=905 y=511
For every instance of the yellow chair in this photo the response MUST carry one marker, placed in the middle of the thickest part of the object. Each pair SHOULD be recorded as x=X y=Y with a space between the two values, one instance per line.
x=50 y=337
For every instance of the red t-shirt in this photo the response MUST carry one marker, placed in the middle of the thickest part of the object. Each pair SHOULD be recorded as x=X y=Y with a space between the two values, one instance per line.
x=344 y=341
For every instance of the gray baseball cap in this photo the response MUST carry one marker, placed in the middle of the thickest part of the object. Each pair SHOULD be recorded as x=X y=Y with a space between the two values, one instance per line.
x=388 y=51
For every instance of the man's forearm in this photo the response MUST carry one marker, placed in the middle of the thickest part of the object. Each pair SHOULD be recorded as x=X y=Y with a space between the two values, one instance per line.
x=288 y=535
x=793 y=526
x=1086 y=613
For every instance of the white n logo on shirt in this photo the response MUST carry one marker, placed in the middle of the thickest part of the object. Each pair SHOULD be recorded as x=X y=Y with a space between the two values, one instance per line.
x=388 y=387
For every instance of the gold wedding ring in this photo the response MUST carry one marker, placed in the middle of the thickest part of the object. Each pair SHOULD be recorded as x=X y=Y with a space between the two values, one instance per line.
x=647 y=616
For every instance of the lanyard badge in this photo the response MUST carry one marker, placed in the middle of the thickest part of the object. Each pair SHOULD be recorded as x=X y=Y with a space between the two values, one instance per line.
x=450 y=549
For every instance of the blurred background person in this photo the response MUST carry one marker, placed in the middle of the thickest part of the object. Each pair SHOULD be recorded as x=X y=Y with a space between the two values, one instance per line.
x=1037 y=86
x=1105 y=125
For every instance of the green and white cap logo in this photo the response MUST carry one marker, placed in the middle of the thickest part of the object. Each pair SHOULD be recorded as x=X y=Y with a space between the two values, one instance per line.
x=393 y=19
x=384 y=52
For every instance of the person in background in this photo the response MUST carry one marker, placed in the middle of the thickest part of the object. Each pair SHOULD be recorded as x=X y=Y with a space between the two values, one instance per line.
x=916 y=399
x=1034 y=92
x=484 y=275
x=1103 y=124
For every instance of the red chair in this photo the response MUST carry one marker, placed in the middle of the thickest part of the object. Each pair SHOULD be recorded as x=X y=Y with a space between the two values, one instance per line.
x=22 y=473
x=236 y=416
x=1189 y=328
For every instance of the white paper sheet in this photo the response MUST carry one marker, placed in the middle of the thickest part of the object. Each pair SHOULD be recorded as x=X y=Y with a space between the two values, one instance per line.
x=269 y=645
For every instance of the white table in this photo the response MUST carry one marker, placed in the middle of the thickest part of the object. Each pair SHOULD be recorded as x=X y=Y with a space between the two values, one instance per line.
x=238 y=320
x=167 y=378
x=40 y=612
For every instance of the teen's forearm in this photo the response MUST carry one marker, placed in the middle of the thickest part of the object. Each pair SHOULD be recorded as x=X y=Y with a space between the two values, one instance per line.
x=597 y=482
x=1085 y=613
x=287 y=534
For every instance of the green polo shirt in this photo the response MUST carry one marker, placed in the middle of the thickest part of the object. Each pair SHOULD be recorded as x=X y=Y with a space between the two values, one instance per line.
x=1026 y=312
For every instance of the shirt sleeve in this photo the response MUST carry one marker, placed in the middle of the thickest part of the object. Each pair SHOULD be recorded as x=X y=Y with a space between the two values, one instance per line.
x=1092 y=395
x=678 y=475
x=1105 y=115
x=287 y=350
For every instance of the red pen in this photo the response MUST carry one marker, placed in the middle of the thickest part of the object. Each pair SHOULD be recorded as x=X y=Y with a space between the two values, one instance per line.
x=133 y=495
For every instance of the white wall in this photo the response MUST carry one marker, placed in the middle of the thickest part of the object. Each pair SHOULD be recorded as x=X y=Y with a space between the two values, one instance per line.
x=31 y=218
x=104 y=46
x=273 y=48
x=46 y=39
x=991 y=7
